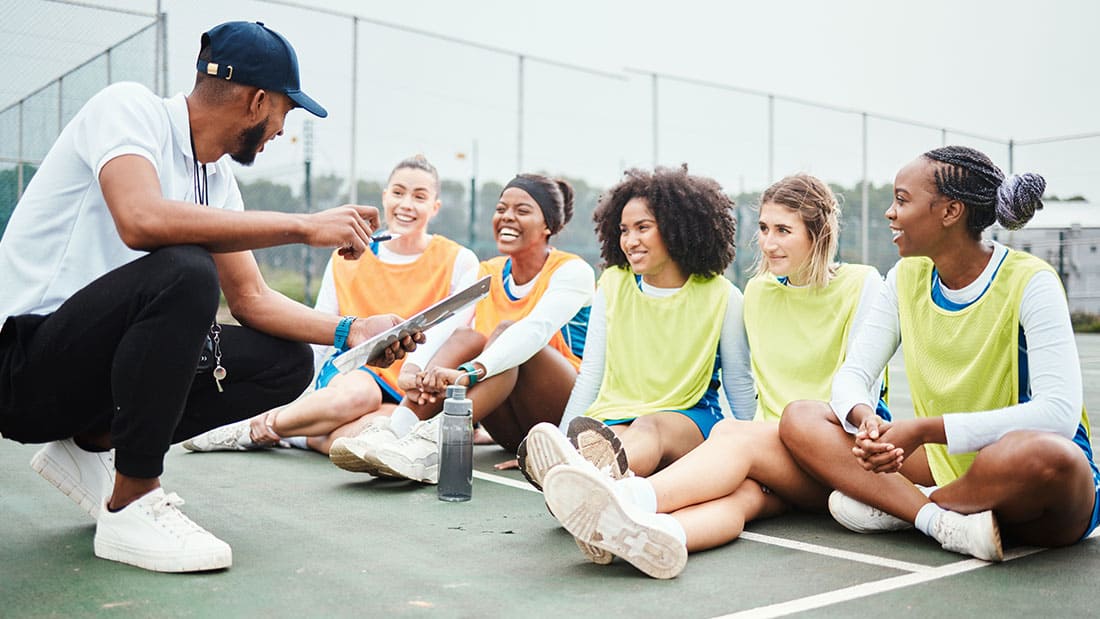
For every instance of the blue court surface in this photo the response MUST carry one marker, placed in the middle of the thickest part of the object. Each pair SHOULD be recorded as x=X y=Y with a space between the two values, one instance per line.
x=312 y=540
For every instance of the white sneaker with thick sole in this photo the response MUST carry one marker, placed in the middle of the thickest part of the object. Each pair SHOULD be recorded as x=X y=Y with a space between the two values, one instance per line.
x=585 y=503
x=863 y=518
x=542 y=449
x=356 y=453
x=599 y=444
x=414 y=456
x=976 y=535
x=86 y=477
x=152 y=533
x=230 y=437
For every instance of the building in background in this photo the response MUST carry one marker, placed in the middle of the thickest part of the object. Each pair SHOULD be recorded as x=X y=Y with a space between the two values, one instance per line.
x=1066 y=235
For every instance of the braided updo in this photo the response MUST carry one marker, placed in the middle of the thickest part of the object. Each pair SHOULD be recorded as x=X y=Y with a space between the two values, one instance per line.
x=969 y=176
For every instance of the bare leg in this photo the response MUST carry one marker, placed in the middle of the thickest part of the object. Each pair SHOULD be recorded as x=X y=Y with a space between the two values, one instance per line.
x=655 y=441
x=816 y=440
x=721 y=521
x=323 y=443
x=1038 y=484
x=535 y=392
x=129 y=489
x=346 y=398
x=736 y=451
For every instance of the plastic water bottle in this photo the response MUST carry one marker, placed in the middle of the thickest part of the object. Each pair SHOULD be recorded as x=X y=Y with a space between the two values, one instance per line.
x=456 y=447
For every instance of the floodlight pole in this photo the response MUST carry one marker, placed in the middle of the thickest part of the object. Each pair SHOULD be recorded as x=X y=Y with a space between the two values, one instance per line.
x=307 y=194
x=519 y=114
x=864 y=204
x=353 y=181
x=656 y=130
x=771 y=139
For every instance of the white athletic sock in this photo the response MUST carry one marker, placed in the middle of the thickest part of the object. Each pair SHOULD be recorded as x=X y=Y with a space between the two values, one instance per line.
x=926 y=518
x=672 y=526
x=402 y=420
x=638 y=492
x=927 y=490
x=298 y=442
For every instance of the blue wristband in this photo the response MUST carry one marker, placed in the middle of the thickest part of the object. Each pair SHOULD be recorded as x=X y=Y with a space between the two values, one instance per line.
x=340 y=339
x=471 y=373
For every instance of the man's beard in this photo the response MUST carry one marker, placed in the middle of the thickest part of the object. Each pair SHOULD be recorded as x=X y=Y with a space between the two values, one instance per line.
x=249 y=142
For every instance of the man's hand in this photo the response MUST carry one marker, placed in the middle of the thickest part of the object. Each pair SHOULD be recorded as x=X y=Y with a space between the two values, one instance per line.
x=365 y=328
x=346 y=227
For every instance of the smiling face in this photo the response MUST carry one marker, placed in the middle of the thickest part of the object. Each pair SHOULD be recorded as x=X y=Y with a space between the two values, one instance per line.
x=410 y=201
x=273 y=109
x=915 y=215
x=785 y=243
x=518 y=222
x=640 y=239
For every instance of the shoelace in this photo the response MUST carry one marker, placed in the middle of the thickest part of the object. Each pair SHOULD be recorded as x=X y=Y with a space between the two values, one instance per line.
x=166 y=512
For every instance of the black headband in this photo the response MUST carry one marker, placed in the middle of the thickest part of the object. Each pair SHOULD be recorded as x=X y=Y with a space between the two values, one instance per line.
x=542 y=197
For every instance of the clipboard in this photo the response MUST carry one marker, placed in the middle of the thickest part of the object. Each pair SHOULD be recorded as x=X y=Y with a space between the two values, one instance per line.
x=422 y=321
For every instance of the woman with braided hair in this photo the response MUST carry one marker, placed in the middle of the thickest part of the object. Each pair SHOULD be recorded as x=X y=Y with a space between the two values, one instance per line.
x=1000 y=443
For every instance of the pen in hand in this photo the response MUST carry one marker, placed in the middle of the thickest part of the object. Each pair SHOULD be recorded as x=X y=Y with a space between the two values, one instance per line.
x=380 y=238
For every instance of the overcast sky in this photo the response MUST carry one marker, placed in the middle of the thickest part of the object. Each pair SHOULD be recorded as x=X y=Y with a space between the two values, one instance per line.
x=1002 y=69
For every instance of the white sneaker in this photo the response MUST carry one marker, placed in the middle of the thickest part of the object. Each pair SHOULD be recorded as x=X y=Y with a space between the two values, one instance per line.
x=86 y=477
x=356 y=453
x=414 y=456
x=584 y=501
x=599 y=444
x=230 y=437
x=152 y=533
x=976 y=535
x=863 y=518
x=542 y=449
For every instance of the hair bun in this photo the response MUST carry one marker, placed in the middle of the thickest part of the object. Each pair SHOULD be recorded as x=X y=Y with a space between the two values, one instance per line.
x=1018 y=197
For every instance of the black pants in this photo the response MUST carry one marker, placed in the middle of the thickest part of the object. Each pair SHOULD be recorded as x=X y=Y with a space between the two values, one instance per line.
x=120 y=356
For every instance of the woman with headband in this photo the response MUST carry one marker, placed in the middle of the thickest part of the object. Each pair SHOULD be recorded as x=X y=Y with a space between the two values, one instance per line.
x=1000 y=442
x=520 y=359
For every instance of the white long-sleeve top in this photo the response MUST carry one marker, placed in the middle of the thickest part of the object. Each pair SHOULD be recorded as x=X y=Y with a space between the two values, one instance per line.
x=1054 y=371
x=569 y=289
x=463 y=276
x=733 y=347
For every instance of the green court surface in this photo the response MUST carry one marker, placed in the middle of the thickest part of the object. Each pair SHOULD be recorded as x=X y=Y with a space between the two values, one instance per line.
x=312 y=540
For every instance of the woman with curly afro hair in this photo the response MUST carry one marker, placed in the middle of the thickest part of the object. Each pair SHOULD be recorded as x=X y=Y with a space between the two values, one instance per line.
x=999 y=445
x=664 y=322
x=800 y=310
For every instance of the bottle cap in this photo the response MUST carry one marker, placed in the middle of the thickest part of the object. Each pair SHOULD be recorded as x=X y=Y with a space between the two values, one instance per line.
x=456 y=392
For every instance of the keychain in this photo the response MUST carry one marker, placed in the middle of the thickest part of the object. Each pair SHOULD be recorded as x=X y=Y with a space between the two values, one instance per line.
x=219 y=371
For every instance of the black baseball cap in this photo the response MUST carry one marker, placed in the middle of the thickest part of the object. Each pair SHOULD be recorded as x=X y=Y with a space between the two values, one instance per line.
x=251 y=53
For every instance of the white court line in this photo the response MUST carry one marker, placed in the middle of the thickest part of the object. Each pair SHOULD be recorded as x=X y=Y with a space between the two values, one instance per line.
x=837 y=553
x=760 y=538
x=505 y=481
x=871 y=588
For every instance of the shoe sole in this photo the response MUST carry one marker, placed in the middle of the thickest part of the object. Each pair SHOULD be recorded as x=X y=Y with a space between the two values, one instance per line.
x=198 y=562
x=586 y=506
x=838 y=510
x=346 y=459
x=53 y=472
x=543 y=449
x=996 y=552
x=599 y=444
x=402 y=469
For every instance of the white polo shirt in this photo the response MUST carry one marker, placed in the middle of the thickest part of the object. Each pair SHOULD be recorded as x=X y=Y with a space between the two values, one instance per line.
x=61 y=235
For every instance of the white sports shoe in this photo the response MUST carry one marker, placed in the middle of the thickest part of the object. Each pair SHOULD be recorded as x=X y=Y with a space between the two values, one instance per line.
x=152 y=533
x=230 y=437
x=414 y=456
x=542 y=449
x=599 y=444
x=863 y=518
x=584 y=501
x=356 y=453
x=976 y=535
x=86 y=477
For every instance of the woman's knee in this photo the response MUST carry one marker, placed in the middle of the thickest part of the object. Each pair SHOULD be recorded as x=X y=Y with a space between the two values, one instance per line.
x=1042 y=457
x=802 y=420
x=353 y=400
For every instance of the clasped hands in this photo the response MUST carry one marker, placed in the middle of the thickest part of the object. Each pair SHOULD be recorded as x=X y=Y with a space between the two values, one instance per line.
x=881 y=446
x=427 y=386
